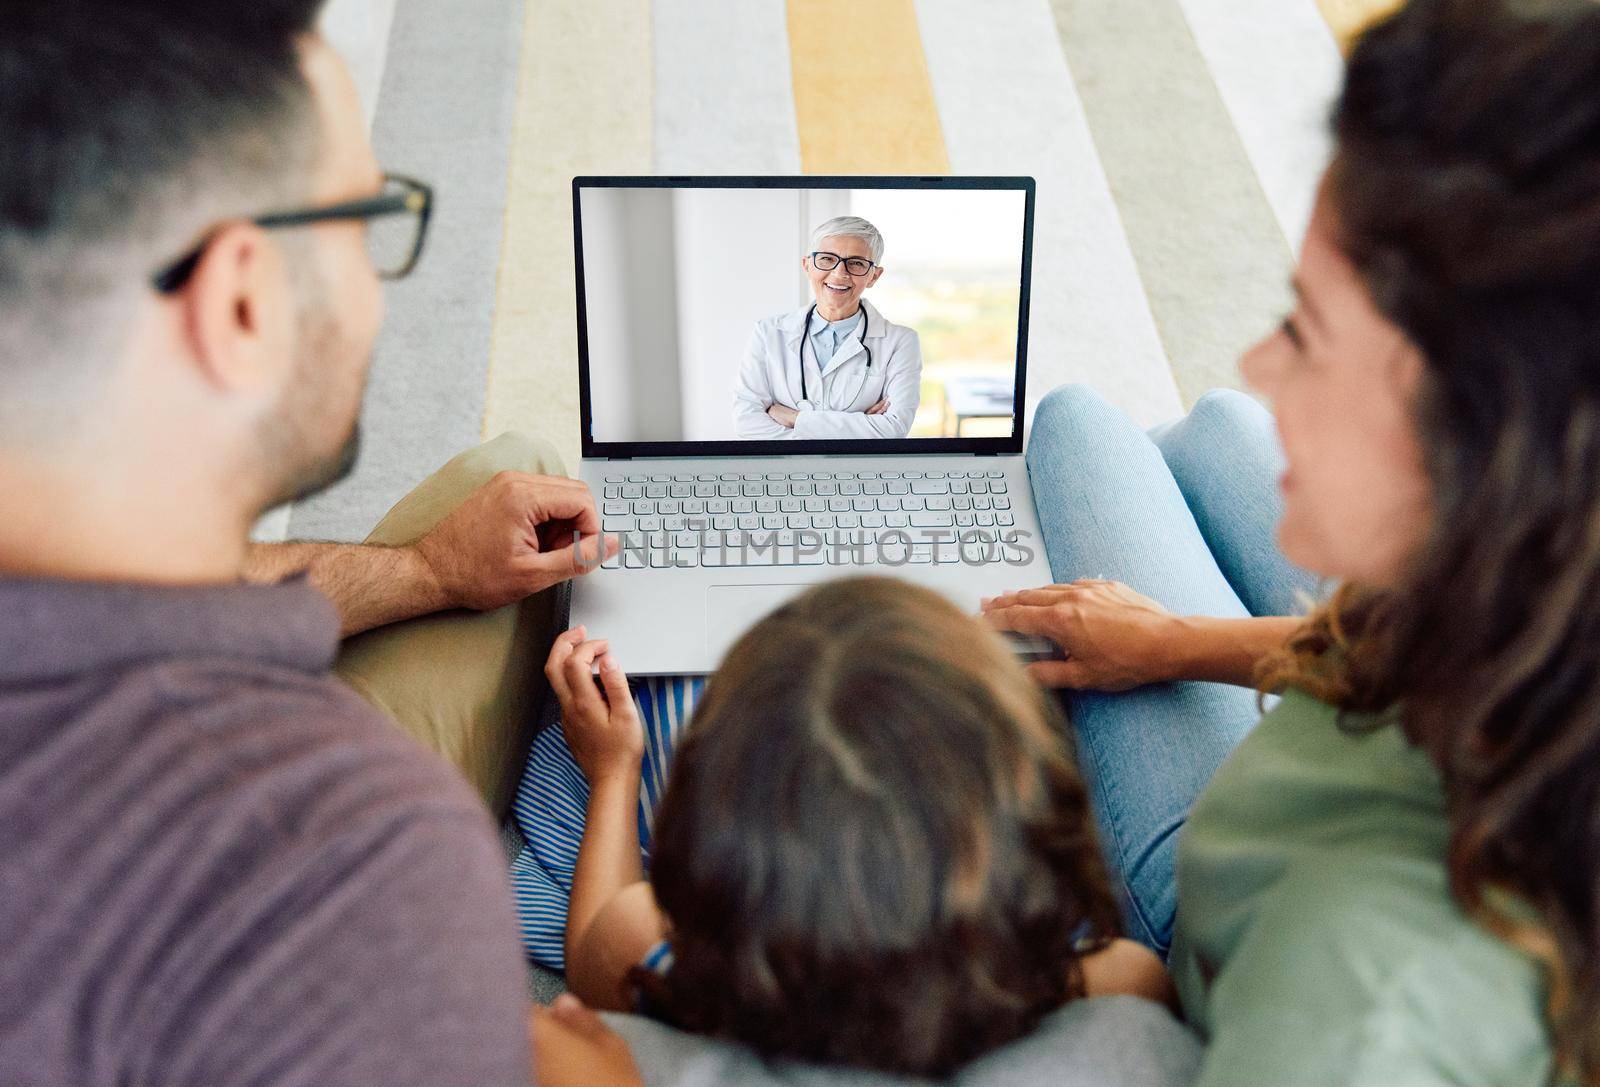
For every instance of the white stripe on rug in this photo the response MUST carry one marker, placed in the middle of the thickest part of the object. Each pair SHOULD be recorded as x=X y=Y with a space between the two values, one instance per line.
x=1009 y=105
x=724 y=100
x=1278 y=69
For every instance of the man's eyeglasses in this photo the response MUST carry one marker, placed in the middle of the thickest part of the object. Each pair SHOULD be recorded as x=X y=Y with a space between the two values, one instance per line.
x=824 y=261
x=397 y=224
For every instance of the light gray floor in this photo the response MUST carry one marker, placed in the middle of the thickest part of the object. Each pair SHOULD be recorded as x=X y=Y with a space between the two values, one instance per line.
x=444 y=115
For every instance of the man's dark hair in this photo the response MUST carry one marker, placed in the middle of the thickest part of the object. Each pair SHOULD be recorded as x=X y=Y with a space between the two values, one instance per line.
x=128 y=129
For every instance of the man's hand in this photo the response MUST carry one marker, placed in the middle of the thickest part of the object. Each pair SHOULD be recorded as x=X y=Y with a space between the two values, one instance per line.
x=1114 y=638
x=603 y=732
x=573 y=1046
x=513 y=537
x=879 y=408
x=783 y=415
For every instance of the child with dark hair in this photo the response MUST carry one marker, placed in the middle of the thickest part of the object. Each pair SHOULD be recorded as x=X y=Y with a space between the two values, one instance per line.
x=873 y=848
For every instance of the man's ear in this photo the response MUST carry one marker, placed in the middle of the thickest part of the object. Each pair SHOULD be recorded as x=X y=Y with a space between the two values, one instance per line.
x=240 y=311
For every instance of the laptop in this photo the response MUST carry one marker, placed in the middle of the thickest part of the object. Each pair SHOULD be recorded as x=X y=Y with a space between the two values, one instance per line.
x=788 y=380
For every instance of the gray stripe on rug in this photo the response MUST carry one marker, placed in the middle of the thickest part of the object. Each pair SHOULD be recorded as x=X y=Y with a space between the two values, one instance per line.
x=445 y=115
x=1213 y=259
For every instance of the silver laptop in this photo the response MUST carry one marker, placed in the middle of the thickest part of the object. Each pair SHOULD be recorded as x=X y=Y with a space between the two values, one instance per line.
x=786 y=380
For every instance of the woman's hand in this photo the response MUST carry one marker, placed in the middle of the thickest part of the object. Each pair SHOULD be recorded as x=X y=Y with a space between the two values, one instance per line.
x=1114 y=638
x=879 y=408
x=783 y=415
x=603 y=731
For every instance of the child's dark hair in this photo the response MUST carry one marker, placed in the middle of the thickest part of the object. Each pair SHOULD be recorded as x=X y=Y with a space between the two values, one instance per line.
x=874 y=849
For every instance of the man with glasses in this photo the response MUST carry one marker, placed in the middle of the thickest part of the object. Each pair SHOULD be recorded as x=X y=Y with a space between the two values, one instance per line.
x=221 y=865
x=834 y=368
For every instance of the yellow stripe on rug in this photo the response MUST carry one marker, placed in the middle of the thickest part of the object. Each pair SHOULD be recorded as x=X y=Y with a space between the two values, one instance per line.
x=1348 y=18
x=862 y=97
x=583 y=107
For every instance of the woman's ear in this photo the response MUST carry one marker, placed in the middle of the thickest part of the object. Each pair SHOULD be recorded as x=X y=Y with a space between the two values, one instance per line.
x=239 y=311
x=877 y=274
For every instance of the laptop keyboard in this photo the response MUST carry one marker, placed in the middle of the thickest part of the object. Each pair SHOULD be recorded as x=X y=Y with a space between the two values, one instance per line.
x=805 y=518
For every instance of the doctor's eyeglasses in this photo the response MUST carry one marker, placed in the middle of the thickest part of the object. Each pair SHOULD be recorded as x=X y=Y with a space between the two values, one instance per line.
x=396 y=220
x=827 y=262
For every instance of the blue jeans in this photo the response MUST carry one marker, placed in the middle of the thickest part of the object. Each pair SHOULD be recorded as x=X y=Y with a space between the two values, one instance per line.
x=1186 y=515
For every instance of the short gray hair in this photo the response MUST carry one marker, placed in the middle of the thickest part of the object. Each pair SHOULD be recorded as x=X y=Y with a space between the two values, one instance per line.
x=849 y=226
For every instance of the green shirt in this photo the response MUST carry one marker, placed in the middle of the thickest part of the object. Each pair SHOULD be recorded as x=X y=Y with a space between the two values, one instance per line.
x=1317 y=942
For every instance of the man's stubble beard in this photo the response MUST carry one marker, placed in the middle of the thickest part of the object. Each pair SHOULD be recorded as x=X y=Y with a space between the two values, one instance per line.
x=322 y=356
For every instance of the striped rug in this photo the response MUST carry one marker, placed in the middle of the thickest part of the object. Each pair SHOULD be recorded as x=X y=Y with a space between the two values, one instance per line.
x=1176 y=144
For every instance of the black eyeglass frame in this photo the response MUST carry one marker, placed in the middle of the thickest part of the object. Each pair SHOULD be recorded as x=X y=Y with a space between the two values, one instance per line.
x=417 y=199
x=815 y=253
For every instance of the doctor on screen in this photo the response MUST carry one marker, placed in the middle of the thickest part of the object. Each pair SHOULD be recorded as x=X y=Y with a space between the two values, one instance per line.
x=836 y=368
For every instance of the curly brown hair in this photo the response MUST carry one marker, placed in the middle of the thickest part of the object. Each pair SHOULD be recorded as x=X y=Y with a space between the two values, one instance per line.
x=1466 y=186
x=874 y=848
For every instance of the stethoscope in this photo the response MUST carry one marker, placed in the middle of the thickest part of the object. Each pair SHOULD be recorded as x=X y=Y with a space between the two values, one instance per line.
x=805 y=338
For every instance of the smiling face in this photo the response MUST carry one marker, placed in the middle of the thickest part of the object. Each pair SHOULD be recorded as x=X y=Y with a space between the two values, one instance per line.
x=1342 y=378
x=838 y=293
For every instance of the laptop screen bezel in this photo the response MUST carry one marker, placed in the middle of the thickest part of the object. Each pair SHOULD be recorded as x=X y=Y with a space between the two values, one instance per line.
x=1011 y=444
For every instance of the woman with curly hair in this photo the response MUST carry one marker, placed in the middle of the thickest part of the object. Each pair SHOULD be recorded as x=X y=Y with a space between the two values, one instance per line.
x=1395 y=876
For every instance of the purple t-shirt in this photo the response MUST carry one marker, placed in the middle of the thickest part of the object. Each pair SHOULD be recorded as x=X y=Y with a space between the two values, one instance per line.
x=220 y=866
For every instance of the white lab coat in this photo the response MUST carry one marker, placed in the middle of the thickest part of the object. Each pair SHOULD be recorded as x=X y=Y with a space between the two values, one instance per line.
x=840 y=394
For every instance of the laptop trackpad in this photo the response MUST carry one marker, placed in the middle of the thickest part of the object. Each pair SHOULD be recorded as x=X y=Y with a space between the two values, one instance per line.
x=733 y=609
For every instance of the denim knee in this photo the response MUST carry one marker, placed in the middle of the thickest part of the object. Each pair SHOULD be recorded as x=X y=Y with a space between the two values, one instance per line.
x=1226 y=409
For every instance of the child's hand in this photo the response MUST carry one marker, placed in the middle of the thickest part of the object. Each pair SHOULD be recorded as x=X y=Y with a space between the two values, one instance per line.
x=603 y=731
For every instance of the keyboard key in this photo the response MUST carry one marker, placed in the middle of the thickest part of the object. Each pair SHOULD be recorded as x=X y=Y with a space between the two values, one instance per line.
x=932 y=520
x=995 y=473
x=931 y=486
x=937 y=502
x=1004 y=519
x=632 y=560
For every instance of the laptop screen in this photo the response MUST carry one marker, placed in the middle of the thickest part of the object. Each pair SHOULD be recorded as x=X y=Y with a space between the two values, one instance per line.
x=803 y=315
